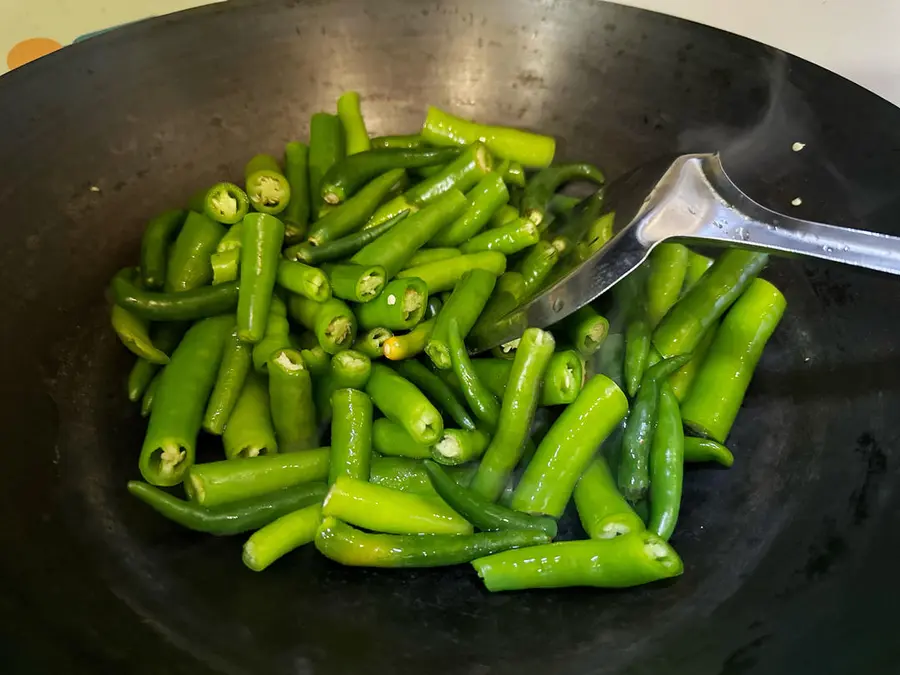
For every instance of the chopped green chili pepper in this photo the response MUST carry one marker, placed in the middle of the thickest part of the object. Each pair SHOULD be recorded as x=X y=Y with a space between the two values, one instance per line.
x=296 y=170
x=232 y=518
x=683 y=327
x=394 y=248
x=567 y=449
x=226 y=203
x=233 y=480
x=458 y=446
x=360 y=283
x=232 y=240
x=698 y=449
x=666 y=466
x=444 y=274
x=166 y=337
x=537 y=265
x=392 y=440
x=513 y=173
x=340 y=248
x=266 y=185
x=602 y=509
x=149 y=394
x=531 y=150
x=160 y=233
x=281 y=536
x=134 y=333
x=542 y=187
x=484 y=199
x=464 y=305
x=351 y=435
x=430 y=255
x=725 y=374
x=291 y=402
x=503 y=216
x=409 y=475
x=461 y=174
x=637 y=352
x=356 y=138
x=668 y=266
x=682 y=380
x=189 y=266
x=586 y=329
x=562 y=382
x=333 y=322
x=516 y=415
x=398 y=141
x=510 y=289
x=390 y=210
x=236 y=362
x=277 y=336
x=317 y=361
x=621 y=562
x=696 y=268
x=510 y=238
x=225 y=266
x=179 y=402
x=481 y=401
x=326 y=146
x=249 y=431
x=402 y=402
x=371 y=343
x=304 y=280
x=410 y=344
x=347 y=545
x=349 y=369
x=260 y=257
x=400 y=306
x=438 y=391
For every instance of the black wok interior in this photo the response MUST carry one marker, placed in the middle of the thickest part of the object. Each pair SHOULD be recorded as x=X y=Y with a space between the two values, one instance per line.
x=789 y=563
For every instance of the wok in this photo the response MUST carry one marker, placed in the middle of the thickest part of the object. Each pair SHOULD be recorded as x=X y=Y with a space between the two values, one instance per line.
x=790 y=556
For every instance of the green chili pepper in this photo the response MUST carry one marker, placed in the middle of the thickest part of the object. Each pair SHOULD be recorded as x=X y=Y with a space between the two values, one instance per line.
x=508 y=292
x=260 y=256
x=317 y=361
x=437 y=390
x=342 y=248
x=443 y=275
x=698 y=449
x=536 y=266
x=409 y=475
x=266 y=185
x=332 y=321
x=353 y=214
x=668 y=266
x=326 y=146
x=232 y=240
x=621 y=562
x=296 y=170
x=402 y=402
x=461 y=174
x=586 y=329
x=683 y=327
x=277 y=336
x=567 y=449
x=458 y=446
x=179 y=402
x=484 y=199
x=666 y=466
x=281 y=536
x=225 y=266
x=510 y=238
x=351 y=435
x=158 y=235
x=411 y=344
x=346 y=176
x=381 y=509
x=401 y=305
x=602 y=509
x=464 y=305
x=531 y=150
x=394 y=248
x=696 y=268
x=430 y=255
x=360 y=283
x=637 y=352
x=546 y=182
x=134 y=334
x=236 y=361
x=348 y=369
x=390 y=209
x=725 y=374
x=226 y=203
x=371 y=343
x=249 y=431
x=504 y=216
x=513 y=173
x=149 y=395
x=392 y=440
x=232 y=518
x=434 y=306
x=634 y=469
x=562 y=382
x=291 y=402
x=356 y=138
x=347 y=545
x=481 y=401
x=304 y=280
x=166 y=337
x=682 y=380
x=189 y=266
x=398 y=141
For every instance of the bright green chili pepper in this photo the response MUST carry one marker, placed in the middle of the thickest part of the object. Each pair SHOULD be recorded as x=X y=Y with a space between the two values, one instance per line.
x=464 y=305
x=682 y=380
x=134 y=333
x=398 y=141
x=356 y=138
x=508 y=239
x=277 y=335
x=296 y=170
x=281 y=536
x=360 y=283
x=226 y=203
x=409 y=475
x=458 y=446
x=392 y=440
x=232 y=240
x=668 y=266
x=291 y=402
x=402 y=402
x=266 y=185
x=410 y=344
x=166 y=337
x=236 y=362
x=317 y=361
x=602 y=509
x=698 y=449
x=586 y=329
x=725 y=374
x=326 y=146
x=546 y=182
x=504 y=215
x=567 y=449
x=333 y=322
x=513 y=173
x=179 y=402
x=437 y=390
x=696 y=268
x=348 y=369
x=536 y=266
x=430 y=255
x=310 y=282
x=390 y=209
x=189 y=266
x=443 y=275
x=484 y=199
x=637 y=352
x=400 y=306
x=342 y=248
x=666 y=466
x=371 y=343
x=481 y=401
x=351 y=435
x=225 y=266
x=516 y=414
x=158 y=235
x=249 y=431
x=461 y=174
x=531 y=150
x=562 y=382
x=260 y=256
x=508 y=292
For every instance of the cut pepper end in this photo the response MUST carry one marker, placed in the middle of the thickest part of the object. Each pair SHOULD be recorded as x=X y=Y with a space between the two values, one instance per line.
x=194 y=489
x=448 y=447
x=167 y=460
x=339 y=331
x=289 y=362
x=371 y=285
x=658 y=551
x=412 y=303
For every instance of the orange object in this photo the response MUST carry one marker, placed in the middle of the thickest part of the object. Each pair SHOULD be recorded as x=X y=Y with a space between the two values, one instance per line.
x=29 y=50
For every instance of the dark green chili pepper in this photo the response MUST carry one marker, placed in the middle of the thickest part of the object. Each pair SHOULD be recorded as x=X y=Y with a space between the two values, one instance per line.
x=536 y=266
x=233 y=480
x=347 y=545
x=353 y=214
x=668 y=266
x=371 y=343
x=437 y=390
x=226 y=203
x=575 y=227
x=430 y=255
x=481 y=401
x=332 y=321
x=586 y=329
x=134 y=333
x=433 y=308
x=531 y=150
x=296 y=170
x=546 y=182
x=233 y=518
x=281 y=536
x=149 y=394
x=509 y=238
x=637 y=351
x=340 y=249
x=398 y=141
x=666 y=466
x=260 y=257
x=484 y=515
x=634 y=465
x=394 y=248
x=620 y=562
x=696 y=268
x=326 y=146
x=389 y=210
x=310 y=282
x=443 y=275
x=351 y=435
x=291 y=402
x=402 y=402
x=725 y=374
x=236 y=362
x=346 y=176
x=392 y=440
x=684 y=325
x=464 y=305
x=484 y=199
x=189 y=266
x=249 y=431
x=356 y=138
x=400 y=306
x=179 y=402
x=225 y=266
x=516 y=414
x=698 y=449
x=510 y=289
x=410 y=344
x=360 y=283
x=461 y=174
x=266 y=185
x=602 y=509
x=348 y=369
x=458 y=446
x=158 y=235
x=166 y=337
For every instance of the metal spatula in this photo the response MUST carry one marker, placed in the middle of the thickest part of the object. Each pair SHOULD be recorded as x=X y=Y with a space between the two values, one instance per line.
x=690 y=199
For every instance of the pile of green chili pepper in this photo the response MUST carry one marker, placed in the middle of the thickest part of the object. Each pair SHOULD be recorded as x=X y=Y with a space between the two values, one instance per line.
x=314 y=316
